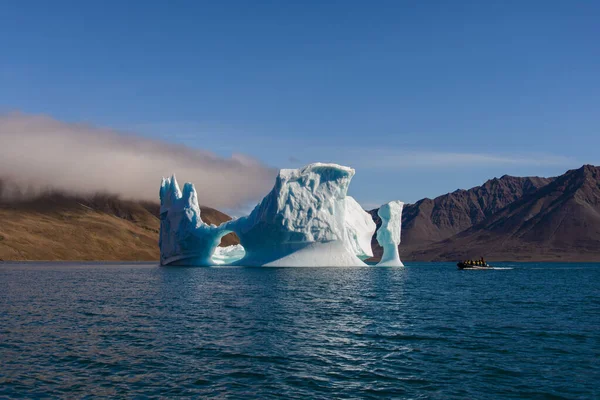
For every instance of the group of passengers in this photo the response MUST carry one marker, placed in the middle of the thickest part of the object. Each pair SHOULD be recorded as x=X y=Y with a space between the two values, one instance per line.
x=479 y=263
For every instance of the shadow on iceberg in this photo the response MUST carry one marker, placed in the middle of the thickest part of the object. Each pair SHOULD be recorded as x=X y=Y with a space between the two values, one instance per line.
x=306 y=220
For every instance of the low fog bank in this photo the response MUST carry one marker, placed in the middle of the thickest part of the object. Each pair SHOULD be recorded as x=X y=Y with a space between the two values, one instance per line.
x=39 y=154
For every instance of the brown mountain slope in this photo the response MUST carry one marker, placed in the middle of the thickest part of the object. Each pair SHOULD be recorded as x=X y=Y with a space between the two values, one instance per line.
x=102 y=227
x=429 y=221
x=560 y=221
x=433 y=220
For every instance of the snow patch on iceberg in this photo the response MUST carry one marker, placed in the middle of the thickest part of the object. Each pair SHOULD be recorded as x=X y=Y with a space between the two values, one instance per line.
x=388 y=234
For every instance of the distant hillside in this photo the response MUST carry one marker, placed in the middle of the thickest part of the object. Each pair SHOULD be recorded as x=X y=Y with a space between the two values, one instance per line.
x=102 y=227
x=429 y=221
x=536 y=219
x=560 y=221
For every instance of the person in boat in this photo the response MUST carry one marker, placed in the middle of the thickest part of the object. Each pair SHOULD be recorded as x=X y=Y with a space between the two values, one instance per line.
x=475 y=263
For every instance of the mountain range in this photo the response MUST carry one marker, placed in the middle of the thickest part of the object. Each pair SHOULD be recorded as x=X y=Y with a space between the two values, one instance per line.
x=507 y=218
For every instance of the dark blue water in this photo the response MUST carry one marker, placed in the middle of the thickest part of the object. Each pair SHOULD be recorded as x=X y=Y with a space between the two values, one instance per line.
x=425 y=331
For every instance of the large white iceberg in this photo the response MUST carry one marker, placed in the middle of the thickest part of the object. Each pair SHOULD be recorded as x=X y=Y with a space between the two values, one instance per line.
x=306 y=220
x=302 y=221
x=388 y=234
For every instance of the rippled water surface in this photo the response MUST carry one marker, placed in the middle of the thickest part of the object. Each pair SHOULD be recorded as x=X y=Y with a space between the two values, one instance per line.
x=424 y=331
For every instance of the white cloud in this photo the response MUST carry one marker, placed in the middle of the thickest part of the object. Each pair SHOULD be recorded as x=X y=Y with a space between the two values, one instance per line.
x=390 y=159
x=39 y=152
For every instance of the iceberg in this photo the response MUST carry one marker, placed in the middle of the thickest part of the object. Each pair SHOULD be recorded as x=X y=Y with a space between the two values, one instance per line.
x=388 y=234
x=184 y=238
x=306 y=220
x=302 y=221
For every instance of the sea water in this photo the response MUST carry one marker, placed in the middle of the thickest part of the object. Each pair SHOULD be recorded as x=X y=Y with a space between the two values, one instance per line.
x=424 y=331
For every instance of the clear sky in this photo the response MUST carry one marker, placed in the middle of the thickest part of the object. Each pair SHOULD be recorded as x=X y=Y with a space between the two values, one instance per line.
x=421 y=97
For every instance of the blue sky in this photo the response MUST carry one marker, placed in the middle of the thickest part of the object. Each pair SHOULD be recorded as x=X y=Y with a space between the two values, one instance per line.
x=421 y=97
